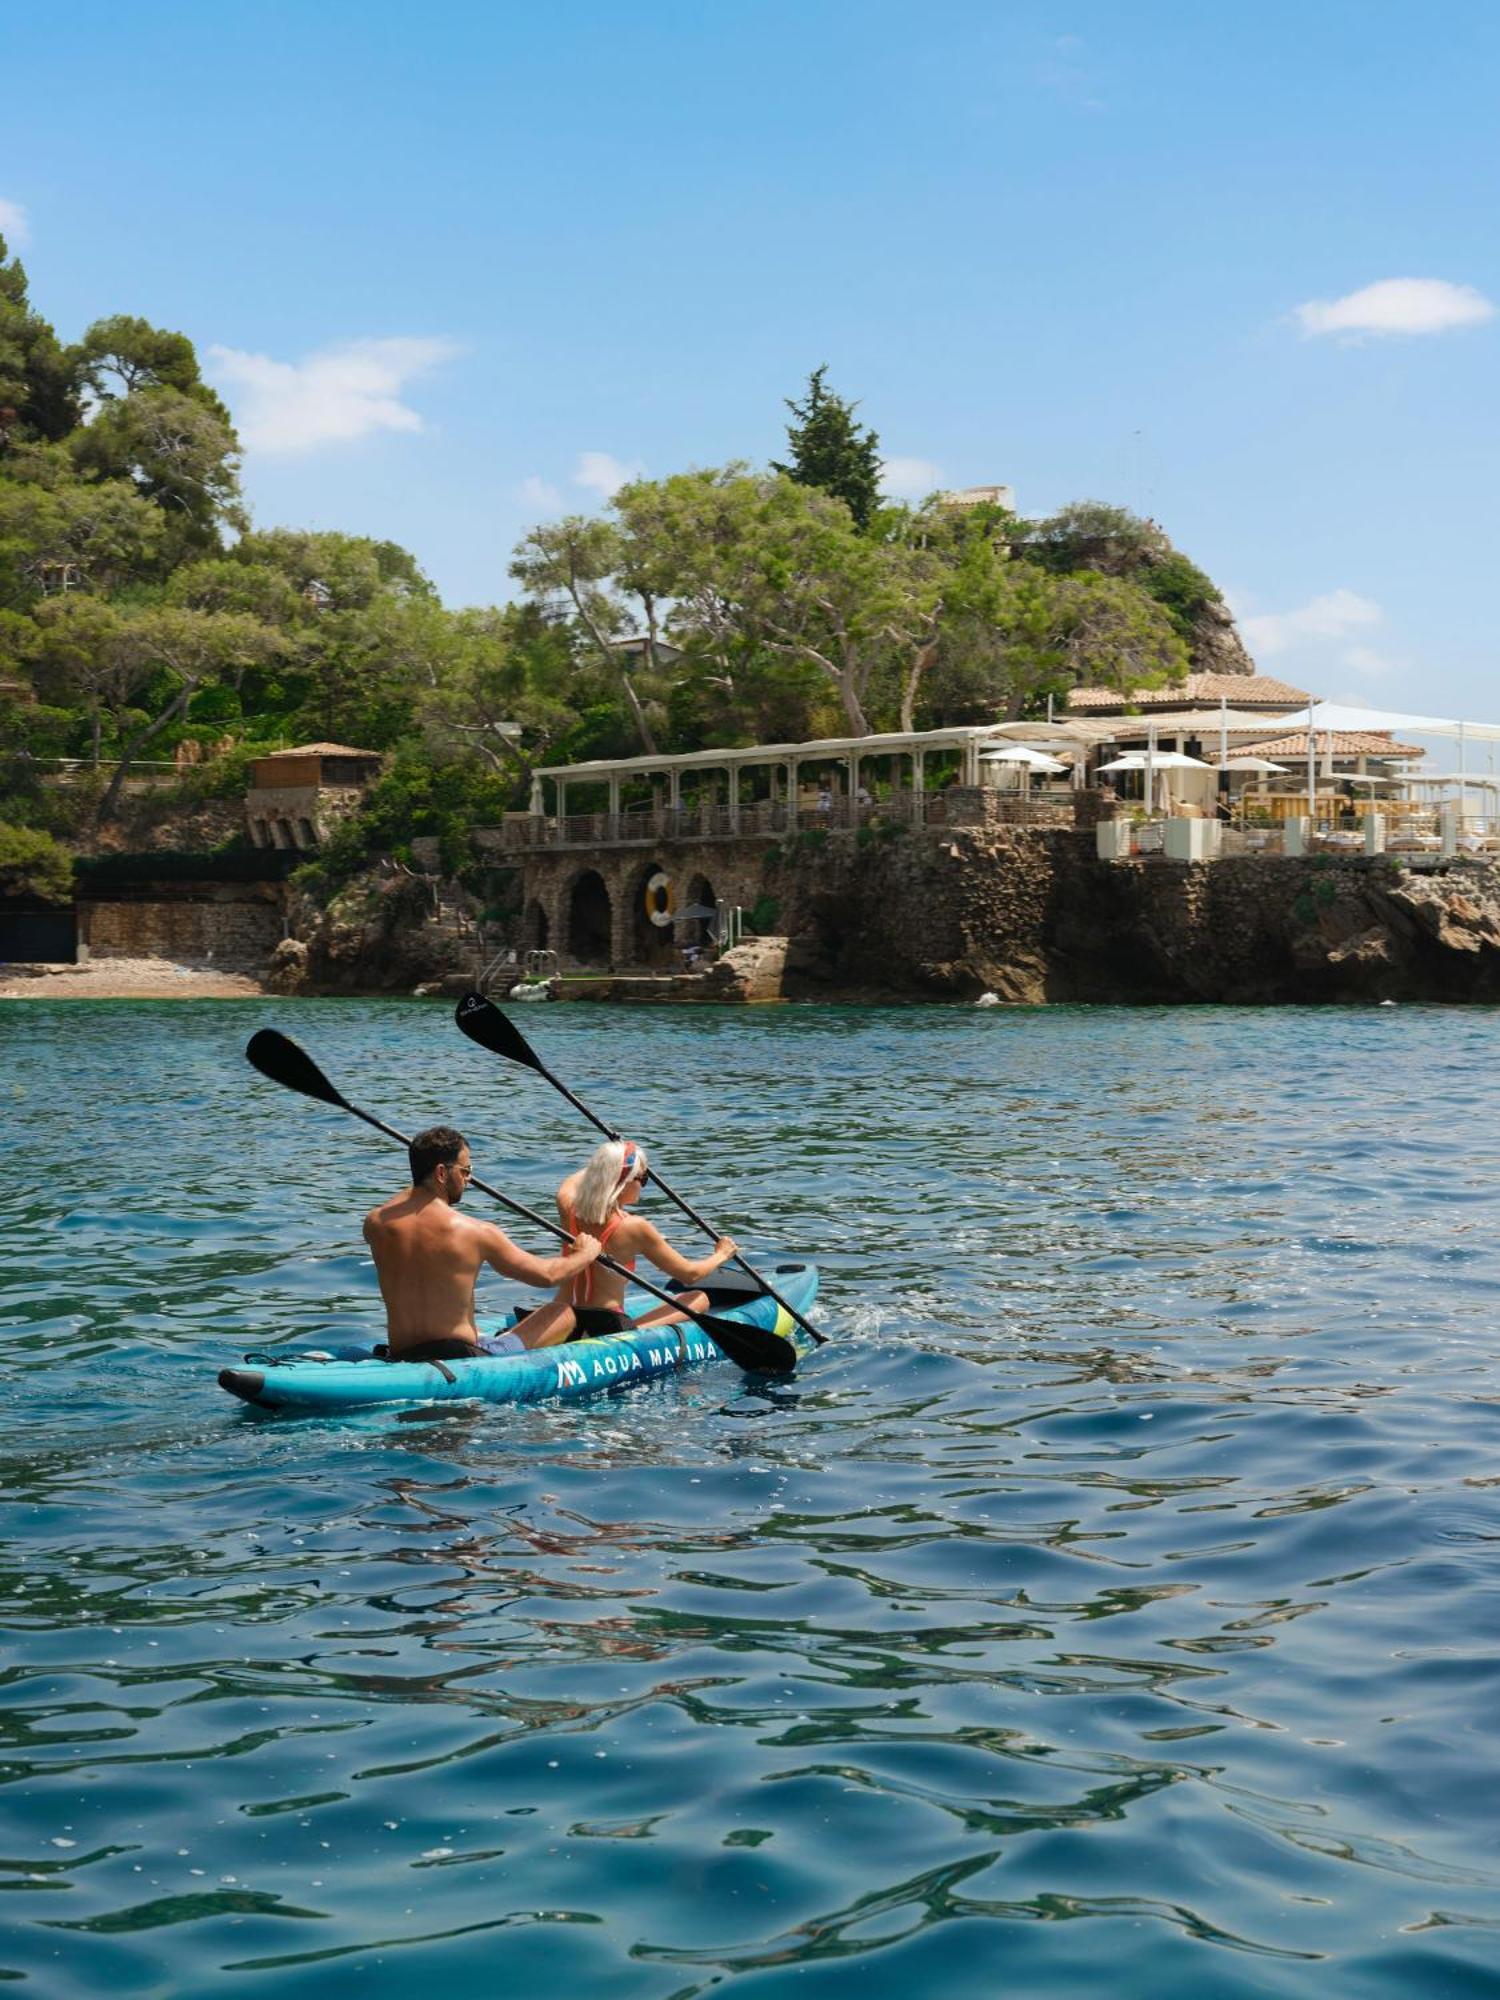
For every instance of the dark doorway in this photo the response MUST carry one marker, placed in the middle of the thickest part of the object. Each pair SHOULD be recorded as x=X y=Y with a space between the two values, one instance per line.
x=38 y=937
x=589 y=920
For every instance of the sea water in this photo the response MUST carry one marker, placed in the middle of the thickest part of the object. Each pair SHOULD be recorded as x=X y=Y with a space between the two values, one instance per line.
x=1112 y=1607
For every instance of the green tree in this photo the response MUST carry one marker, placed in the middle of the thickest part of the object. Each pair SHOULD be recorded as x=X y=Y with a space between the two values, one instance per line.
x=503 y=695
x=830 y=450
x=59 y=533
x=39 y=378
x=122 y=354
x=181 y=455
x=365 y=631
x=141 y=667
x=1010 y=633
x=581 y=567
x=767 y=569
x=34 y=864
x=1092 y=535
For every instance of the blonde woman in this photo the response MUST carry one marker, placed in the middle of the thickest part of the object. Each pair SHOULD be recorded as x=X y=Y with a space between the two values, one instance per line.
x=597 y=1202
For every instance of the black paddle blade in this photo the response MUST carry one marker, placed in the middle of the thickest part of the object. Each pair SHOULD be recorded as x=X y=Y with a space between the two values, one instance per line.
x=482 y=1021
x=753 y=1348
x=278 y=1057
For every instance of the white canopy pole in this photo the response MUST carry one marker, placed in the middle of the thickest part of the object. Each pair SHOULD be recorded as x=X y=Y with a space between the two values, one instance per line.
x=1312 y=761
x=1150 y=766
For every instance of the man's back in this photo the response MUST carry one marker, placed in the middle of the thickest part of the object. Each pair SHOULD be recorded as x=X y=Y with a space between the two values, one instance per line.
x=427 y=1257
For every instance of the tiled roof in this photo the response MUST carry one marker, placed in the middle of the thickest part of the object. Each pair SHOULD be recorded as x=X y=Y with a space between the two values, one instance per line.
x=1345 y=743
x=323 y=750
x=1240 y=690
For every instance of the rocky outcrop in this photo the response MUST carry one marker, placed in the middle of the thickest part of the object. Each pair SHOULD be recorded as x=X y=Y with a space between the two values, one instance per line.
x=384 y=933
x=750 y=972
x=1214 y=643
x=1034 y=916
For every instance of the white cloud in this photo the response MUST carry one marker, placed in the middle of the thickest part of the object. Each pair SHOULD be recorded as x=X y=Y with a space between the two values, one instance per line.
x=1334 y=615
x=603 y=474
x=13 y=224
x=539 y=495
x=909 y=478
x=333 y=397
x=1397 y=305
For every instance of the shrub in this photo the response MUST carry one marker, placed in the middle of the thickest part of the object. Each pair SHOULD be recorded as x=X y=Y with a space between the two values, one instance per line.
x=33 y=864
x=222 y=864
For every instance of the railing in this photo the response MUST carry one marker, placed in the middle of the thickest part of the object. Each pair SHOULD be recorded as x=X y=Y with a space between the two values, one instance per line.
x=1416 y=835
x=646 y=826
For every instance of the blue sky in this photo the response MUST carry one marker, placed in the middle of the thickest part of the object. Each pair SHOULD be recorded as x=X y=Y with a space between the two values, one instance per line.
x=460 y=266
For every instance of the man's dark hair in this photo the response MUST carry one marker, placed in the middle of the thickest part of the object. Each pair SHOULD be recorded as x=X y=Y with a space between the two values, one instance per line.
x=438 y=1146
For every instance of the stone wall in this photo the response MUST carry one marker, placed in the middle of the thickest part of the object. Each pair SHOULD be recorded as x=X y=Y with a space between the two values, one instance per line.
x=233 y=926
x=1030 y=914
x=561 y=903
x=1035 y=916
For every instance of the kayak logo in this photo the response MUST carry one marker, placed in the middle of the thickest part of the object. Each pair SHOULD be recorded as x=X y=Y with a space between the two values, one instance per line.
x=571 y=1375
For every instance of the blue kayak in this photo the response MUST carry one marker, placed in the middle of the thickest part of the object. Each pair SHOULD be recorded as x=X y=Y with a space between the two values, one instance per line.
x=355 y=1378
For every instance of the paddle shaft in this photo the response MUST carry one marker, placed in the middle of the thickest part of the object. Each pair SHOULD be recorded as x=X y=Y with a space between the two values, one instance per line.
x=671 y=1193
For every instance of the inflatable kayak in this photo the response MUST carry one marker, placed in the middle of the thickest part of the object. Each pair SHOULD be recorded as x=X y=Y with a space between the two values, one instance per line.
x=356 y=1378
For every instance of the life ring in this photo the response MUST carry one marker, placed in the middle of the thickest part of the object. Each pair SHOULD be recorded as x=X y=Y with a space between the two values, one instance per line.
x=659 y=899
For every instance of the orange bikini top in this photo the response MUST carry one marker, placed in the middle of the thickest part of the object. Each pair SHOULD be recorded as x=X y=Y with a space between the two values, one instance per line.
x=583 y=1284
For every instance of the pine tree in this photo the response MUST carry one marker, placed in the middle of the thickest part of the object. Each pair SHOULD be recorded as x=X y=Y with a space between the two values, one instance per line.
x=38 y=376
x=832 y=451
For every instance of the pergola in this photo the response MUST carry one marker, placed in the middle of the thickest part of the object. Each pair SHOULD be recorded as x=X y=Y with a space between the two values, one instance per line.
x=783 y=764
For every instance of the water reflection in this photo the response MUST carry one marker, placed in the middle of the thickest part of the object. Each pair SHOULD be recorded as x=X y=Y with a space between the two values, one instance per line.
x=1118 y=1587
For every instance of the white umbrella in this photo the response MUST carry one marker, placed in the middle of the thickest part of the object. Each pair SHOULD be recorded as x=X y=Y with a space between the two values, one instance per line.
x=1022 y=753
x=1250 y=764
x=1164 y=760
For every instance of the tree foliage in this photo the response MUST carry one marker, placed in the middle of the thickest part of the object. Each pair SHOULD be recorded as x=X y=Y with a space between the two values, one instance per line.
x=832 y=451
x=33 y=864
x=142 y=615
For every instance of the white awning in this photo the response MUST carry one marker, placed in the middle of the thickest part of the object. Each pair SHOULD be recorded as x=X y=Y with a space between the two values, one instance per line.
x=1324 y=715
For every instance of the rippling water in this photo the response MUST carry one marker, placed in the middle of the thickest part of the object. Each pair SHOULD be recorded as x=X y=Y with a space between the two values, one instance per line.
x=1113 y=1607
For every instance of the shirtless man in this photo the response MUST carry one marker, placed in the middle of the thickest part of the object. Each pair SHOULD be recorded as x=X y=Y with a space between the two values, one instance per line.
x=427 y=1258
x=598 y=1199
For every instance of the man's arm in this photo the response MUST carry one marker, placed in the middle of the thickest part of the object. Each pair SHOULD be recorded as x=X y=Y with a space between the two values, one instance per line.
x=511 y=1261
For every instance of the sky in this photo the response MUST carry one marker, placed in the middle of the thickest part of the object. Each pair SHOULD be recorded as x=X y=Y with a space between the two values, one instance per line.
x=461 y=267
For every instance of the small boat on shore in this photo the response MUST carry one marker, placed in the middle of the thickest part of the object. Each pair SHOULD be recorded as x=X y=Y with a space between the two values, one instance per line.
x=350 y=1378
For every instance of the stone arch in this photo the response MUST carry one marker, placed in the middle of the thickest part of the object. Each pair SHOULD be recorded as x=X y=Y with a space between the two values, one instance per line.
x=534 y=926
x=701 y=891
x=653 y=893
x=589 y=913
x=307 y=835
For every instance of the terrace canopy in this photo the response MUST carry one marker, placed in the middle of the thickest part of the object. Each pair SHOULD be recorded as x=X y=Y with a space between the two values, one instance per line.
x=1324 y=715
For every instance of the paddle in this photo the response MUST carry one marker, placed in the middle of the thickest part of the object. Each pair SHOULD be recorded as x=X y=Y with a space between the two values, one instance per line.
x=753 y=1348
x=483 y=1022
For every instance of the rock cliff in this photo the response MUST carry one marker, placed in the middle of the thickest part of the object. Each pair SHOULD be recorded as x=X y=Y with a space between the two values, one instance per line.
x=1034 y=917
